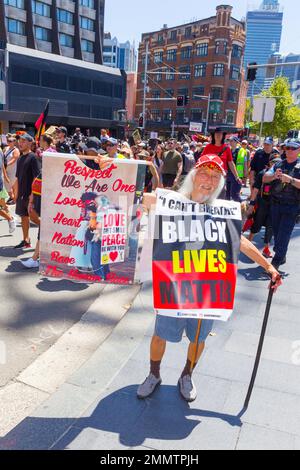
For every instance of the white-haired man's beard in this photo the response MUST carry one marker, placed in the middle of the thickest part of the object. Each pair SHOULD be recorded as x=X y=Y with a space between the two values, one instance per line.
x=200 y=194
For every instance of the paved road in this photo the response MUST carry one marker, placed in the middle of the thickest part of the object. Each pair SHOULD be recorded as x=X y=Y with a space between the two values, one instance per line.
x=34 y=311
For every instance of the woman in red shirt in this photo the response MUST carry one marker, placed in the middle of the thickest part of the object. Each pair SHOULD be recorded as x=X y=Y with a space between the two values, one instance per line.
x=218 y=147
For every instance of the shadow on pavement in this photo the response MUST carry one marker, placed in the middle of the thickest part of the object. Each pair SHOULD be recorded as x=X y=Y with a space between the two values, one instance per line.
x=258 y=274
x=165 y=417
x=46 y=285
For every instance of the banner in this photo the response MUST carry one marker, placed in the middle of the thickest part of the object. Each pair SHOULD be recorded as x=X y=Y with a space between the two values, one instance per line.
x=195 y=256
x=90 y=220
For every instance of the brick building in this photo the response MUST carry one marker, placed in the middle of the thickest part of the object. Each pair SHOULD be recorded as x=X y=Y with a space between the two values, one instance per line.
x=192 y=60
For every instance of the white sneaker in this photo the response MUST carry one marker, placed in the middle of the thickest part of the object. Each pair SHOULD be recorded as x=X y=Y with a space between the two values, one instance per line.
x=187 y=388
x=30 y=263
x=148 y=387
x=12 y=225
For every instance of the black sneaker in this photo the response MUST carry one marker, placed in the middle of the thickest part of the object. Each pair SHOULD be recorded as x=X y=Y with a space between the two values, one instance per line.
x=23 y=244
x=10 y=202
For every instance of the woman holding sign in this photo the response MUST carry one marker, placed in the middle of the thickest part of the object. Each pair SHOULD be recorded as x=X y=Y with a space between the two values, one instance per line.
x=174 y=279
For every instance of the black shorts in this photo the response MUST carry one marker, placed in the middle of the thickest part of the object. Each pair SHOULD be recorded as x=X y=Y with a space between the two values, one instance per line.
x=22 y=206
x=168 y=180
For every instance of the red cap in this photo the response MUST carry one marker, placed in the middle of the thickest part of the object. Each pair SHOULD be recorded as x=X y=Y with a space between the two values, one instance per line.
x=212 y=161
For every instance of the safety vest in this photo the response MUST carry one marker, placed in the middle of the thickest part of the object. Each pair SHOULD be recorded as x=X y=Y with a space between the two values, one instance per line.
x=240 y=162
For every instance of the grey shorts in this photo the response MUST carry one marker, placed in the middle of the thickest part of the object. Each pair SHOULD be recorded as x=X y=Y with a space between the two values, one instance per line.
x=172 y=329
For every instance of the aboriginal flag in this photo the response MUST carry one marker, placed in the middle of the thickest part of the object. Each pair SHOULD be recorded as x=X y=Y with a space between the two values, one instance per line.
x=40 y=124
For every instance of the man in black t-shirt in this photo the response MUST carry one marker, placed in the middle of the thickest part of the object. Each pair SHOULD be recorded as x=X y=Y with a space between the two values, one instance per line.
x=261 y=159
x=261 y=197
x=28 y=168
x=62 y=146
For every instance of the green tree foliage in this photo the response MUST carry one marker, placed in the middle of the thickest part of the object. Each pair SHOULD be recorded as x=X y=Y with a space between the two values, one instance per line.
x=287 y=114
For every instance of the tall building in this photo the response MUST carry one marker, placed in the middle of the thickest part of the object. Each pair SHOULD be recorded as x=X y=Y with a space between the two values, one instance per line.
x=64 y=27
x=52 y=49
x=264 y=30
x=194 y=60
x=292 y=72
x=119 y=55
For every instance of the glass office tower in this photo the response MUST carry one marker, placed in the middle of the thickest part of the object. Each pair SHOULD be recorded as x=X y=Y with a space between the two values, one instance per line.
x=264 y=30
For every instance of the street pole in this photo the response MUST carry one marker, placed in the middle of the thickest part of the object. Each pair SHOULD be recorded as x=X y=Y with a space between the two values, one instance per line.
x=262 y=121
x=173 y=129
x=207 y=116
x=145 y=85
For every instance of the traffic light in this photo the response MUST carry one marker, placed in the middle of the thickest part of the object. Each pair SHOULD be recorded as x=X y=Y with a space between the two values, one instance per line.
x=186 y=100
x=180 y=101
x=141 y=121
x=251 y=74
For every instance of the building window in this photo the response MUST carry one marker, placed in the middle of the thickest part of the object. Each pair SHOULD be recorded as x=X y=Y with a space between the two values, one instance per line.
x=26 y=75
x=81 y=85
x=185 y=72
x=158 y=57
x=160 y=39
x=170 y=75
x=167 y=114
x=87 y=23
x=40 y=8
x=66 y=40
x=230 y=116
x=232 y=95
x=102 y=88
x=234 y=72
x=196 y=115
x=237 y=51
x=87 y=3
x=65 y=16
x=219 y=70
x=186 y=52
x=15 y=3
x=182 y=91
x=180 y=117
x=54 y=80
x=15 y=26
x=169 y=92
x=156 y=94
x=202 y=49
x=216 y=93
x=107 y=59
x=172 y=55
x=87 y=46
x=158 y=77
x=200 y=70
x=197 y=92
x=221 y=47
x=188 y=32
x=43 y=34
x=217 y=47
x=174 y=35
x=107 y=49
x=155 y=115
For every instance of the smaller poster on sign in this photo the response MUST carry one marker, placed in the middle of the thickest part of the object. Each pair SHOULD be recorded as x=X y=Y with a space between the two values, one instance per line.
x=114 y=240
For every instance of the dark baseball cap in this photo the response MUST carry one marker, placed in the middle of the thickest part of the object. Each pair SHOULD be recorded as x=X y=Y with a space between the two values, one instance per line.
x=92 y=144
x=62 y=129
x=27 y=137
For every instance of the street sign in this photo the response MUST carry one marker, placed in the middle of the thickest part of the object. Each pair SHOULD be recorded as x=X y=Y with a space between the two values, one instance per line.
x=196 y=126
x=264 y=109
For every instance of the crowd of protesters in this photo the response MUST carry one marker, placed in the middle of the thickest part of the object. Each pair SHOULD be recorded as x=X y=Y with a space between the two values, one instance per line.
x=272 y=172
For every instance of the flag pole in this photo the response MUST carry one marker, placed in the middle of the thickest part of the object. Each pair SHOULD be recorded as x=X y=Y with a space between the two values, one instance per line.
x=260 y=345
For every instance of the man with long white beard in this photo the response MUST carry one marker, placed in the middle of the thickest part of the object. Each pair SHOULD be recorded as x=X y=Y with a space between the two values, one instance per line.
x=203 y=185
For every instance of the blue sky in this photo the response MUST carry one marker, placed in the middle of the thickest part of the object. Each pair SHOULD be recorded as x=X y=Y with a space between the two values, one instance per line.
x=127 y=19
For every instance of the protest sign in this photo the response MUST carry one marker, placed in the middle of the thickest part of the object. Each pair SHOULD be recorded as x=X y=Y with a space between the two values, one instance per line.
x=90 y=220
x=195 y=256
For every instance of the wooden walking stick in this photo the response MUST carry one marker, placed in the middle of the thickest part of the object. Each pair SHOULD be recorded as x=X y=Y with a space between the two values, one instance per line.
x=260 y=345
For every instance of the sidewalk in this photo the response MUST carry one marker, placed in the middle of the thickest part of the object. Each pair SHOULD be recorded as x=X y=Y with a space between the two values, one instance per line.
x=97 y=407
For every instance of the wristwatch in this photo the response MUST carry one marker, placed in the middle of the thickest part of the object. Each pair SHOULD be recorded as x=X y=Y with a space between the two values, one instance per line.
x=292 y=181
